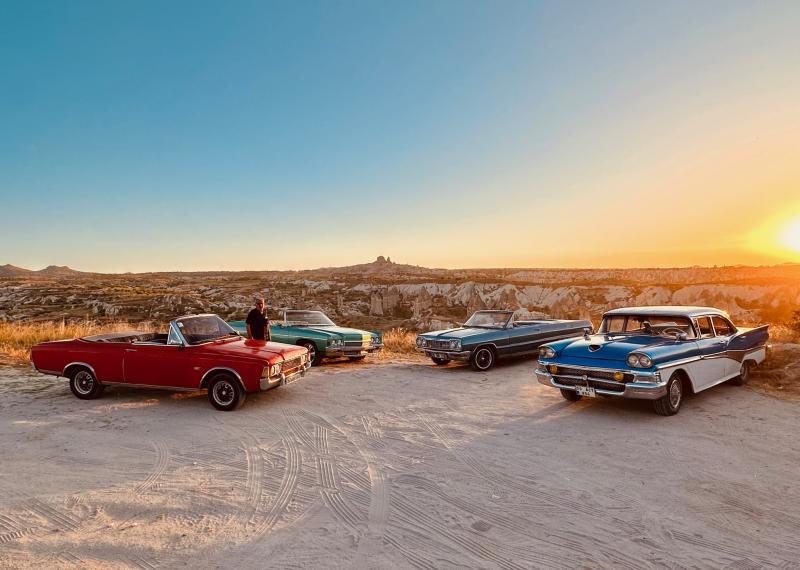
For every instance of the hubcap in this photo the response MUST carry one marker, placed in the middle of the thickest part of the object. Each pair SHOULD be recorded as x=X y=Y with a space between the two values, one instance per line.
x=483 y=358
x=675 y=394
x=312 y=352
x=84 y=382
x=224 y=393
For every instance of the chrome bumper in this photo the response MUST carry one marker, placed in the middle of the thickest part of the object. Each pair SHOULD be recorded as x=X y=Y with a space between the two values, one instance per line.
x=282 y=379
x=352 y=350
x=450 y=354
x=638 y=389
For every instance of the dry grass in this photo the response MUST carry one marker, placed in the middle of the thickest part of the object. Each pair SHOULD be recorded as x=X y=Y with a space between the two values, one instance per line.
x=399 y=343
x=16 y=339
x=779 y=375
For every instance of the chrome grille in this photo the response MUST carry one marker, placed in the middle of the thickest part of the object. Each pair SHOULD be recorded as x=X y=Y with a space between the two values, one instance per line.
x=291 y=364
x=592 y=374
x=592 y=382
x=438 y=344
x=357 y=343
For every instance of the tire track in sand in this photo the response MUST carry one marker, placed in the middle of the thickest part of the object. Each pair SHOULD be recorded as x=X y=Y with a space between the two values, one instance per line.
x=162 y=461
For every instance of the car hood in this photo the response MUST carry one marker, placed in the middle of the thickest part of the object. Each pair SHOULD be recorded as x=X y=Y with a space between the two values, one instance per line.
x=616 y=348
x=261 y=349
x=460 y=332
x=336 y=332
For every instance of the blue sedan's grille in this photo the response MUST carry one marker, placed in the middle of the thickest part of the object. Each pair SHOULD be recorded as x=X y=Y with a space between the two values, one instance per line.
x=598 y=384
x=592 y=374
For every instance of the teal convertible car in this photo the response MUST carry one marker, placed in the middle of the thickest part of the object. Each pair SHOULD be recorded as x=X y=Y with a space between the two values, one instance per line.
x=320 y=335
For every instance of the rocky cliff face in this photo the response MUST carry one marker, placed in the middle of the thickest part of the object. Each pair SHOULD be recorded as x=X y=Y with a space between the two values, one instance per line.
x=384 y=294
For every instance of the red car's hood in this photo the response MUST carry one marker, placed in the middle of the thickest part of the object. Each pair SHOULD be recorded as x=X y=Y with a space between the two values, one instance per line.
x=255 y=349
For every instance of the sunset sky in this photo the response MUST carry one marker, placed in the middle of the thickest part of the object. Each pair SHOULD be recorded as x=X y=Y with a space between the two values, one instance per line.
x=253 y=135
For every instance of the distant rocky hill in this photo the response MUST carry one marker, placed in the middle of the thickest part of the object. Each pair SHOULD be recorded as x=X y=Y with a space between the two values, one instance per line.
x=383 y=294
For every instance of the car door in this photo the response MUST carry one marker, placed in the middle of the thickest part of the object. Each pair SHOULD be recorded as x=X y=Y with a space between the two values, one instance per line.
x=713 y=352
x=160 y=365
x=724 y=331
x=523 y=339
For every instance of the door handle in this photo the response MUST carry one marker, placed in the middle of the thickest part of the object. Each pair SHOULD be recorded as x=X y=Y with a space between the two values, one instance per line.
x=130 y=350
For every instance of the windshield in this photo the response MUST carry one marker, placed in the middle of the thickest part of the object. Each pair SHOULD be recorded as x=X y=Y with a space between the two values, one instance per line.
x=488 y=319
x=308 y=318
x=652 y=325
x=203 y=329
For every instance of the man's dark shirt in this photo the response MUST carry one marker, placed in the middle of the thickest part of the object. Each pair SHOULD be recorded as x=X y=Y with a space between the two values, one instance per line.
x=258 y=324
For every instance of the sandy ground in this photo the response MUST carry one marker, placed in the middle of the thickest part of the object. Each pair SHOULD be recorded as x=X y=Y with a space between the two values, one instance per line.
x=398 y=465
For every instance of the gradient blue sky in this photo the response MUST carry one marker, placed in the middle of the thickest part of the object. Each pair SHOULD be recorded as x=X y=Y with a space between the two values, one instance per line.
x=253 y=135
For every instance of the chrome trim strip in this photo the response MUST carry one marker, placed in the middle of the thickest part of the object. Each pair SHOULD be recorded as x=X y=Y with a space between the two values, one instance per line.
x=89 y=366
x=154 y=387
x=635 y=371
x=633 y=390
x=666 y=365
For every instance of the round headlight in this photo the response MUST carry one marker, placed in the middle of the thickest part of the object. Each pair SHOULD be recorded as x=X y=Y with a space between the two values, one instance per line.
x=275 y=369
x=419 y=341
x=454 y=344
x=633 y=360
x=645 y=361
x=547 y=352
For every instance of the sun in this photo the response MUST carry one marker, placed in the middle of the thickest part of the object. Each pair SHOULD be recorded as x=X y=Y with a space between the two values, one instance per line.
x=790 y=235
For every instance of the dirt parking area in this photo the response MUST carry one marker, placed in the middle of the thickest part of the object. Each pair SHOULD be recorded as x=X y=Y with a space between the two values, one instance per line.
x=395 y=465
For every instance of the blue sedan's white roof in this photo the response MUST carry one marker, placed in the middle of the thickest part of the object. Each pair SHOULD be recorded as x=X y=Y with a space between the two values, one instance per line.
x=667 y=310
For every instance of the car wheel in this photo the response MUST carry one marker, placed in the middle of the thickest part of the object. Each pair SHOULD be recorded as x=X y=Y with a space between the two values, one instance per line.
x=482 y=359
x=362 y=357
x=225 y=393
x=570 y=395
x=313 y=354
x=744 y=374
x=84 y=385
x=440 y=361
x=670 y=403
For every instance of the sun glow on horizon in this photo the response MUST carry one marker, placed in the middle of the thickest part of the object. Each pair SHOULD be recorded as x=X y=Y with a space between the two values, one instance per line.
x=790 y=235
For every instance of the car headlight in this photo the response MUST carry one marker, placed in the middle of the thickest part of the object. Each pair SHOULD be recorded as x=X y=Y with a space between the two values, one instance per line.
x=376 y=339
x=639 y=361
x=265 y=372
x=275 y=369
x=455 y=344
x=547 y=352
x=335 y=342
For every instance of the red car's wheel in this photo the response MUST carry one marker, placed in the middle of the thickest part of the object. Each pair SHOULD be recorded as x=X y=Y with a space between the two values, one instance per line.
x=225 y=393
x=84 y=385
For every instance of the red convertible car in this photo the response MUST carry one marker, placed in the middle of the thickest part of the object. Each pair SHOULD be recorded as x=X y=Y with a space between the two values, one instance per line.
x=198 y=352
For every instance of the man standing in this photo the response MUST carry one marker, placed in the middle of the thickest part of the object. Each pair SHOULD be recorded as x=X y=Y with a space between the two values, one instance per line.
x=257 y=322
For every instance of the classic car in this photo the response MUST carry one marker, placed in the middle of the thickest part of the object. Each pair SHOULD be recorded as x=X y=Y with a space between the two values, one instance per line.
x=320 y=335
x=654 y=353
x=197 y=352
x=489 y=335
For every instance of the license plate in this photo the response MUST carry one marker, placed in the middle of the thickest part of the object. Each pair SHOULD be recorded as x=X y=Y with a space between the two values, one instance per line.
x=585 y=391
x=441 y=355
x=290 y=379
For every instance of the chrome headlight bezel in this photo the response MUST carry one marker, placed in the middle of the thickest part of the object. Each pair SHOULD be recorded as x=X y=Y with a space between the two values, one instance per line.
x=547 y=352
x=275 y=369
x=636 y=360
x=376 y=339
x=421 y=342
x=454 y=344
x=335 y=342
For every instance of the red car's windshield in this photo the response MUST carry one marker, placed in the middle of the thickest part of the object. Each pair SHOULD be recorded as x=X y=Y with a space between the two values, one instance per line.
x=204 y=328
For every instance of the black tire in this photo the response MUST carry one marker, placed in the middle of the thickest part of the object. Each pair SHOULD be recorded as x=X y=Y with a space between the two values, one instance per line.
x=482 y=358
x=570 y=395
x=313 y=353
x=440 y=361
x=226 y=393
x=84 y=385
x=670 y=403
x=744 y=374
x=362 y=357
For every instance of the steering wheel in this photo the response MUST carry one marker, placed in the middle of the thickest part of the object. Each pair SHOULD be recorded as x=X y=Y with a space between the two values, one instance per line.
x=673 y=330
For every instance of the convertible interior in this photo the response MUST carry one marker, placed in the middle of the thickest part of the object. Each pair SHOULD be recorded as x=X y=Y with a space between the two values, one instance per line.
x=129 y=337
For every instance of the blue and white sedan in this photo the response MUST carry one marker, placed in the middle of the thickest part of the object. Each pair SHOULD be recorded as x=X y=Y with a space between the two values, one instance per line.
x=653 y=353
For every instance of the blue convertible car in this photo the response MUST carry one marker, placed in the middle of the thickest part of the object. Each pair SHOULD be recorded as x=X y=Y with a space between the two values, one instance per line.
x=489 y=335
x=654 y=353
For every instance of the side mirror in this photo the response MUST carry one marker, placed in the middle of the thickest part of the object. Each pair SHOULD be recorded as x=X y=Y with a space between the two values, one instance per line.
x=586 y=333
x=681 y=336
